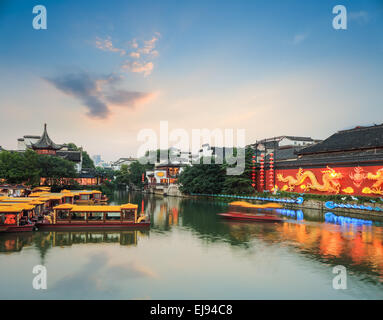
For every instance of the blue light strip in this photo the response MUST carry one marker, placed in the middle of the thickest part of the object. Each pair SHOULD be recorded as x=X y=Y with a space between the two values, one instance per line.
x=333 y=218
x=331 y=205
x=298 y=200
x=298 y=214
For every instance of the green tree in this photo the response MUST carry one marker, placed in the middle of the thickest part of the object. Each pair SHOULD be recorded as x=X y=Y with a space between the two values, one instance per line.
x=202 y=178
x=55 y=167
x=16 y=167
x=123 y=176
x=130 y=175
x=136 y=170
x=240 y=184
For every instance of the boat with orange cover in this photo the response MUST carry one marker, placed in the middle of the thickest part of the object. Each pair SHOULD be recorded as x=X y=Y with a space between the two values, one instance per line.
x=264 y=217
x=245 y=211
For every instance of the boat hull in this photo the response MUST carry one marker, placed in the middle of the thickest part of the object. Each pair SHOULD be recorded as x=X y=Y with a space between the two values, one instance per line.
x=26 y=228
x=91 y=226
x=250 y=217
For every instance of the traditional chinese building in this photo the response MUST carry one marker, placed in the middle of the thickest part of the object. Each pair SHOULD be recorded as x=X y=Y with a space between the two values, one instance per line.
x=348 y=162
x=44 y=145
x=164 y=175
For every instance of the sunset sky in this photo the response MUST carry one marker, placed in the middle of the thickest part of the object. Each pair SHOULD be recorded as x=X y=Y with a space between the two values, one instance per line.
x=104 y=70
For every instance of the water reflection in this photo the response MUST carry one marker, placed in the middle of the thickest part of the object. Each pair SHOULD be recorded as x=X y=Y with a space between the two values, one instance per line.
x=43 y=241
x=330 y=239
x=309 y=238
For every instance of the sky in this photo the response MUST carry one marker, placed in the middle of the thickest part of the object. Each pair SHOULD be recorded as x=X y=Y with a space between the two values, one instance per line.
x=103 y=71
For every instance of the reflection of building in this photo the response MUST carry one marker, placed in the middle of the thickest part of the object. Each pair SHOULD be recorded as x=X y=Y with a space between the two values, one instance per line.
x=44 y=241
x=125 y=238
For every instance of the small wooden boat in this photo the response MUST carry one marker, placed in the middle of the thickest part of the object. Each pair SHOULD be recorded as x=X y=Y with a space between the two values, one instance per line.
x=69 y=216
x=248 y=205
x=251 y=216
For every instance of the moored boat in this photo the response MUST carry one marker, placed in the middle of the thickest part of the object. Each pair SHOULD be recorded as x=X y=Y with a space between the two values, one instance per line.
x=67 y=216
x=251 y=206
x=16 y=218
x=251 y=216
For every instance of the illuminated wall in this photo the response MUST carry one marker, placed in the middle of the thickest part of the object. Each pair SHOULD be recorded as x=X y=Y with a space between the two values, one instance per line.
x=361 y=181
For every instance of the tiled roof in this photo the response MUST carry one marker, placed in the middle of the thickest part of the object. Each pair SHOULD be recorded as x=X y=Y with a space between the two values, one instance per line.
x=70 y=155
x=45 y=142
x=349 y=140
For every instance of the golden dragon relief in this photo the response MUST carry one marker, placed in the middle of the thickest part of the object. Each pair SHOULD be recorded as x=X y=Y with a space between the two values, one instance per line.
x=376 y=187
x=330 y=180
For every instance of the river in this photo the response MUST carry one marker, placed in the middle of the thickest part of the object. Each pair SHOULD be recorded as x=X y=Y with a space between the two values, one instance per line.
x=191 y=253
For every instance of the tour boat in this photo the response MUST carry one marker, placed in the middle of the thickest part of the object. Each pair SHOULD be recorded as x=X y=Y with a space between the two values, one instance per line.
x=16 y=218
x=68 y=216
x=248 y=205
x=251 y=217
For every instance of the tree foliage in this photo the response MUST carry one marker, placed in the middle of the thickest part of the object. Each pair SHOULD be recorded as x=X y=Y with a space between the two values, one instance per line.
x=28 y=167
x=213 y=178
x=202 y=178
x=131 y=175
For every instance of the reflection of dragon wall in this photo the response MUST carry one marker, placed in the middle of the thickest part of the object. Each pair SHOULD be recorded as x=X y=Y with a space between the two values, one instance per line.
x=330 y=180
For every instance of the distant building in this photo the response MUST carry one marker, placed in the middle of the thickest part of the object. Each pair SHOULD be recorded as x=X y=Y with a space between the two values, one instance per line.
x=122 y=161
x=164 y=175
x=96 y=159
x=214 y=152
x=283 y=147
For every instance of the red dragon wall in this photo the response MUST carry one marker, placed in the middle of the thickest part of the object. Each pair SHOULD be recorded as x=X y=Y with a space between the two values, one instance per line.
x=360 y=181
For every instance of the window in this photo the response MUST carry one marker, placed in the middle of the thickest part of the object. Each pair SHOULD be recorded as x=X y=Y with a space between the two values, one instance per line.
x=67 y=200
x=128 y=215
x=112 y=216
x=62 y=215
x=78 y=216
x=84 y=197
x=95 y=216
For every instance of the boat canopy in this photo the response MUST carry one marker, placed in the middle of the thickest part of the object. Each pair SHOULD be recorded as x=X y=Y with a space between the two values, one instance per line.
x=77 y=208
x=245 y=204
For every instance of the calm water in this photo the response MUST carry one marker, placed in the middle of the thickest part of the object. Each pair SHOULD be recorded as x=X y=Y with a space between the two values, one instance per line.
x=190 y=253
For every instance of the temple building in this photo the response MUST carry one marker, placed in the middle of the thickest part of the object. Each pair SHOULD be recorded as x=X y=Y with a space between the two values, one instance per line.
x=44 y=145
x=282 y=147
x=348 y=162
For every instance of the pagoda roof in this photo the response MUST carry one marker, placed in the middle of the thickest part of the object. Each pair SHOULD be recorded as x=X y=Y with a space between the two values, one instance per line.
x=349 y=140
x=45 y=142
